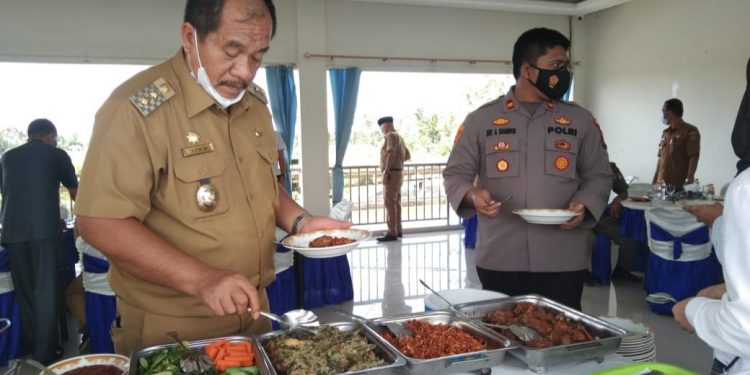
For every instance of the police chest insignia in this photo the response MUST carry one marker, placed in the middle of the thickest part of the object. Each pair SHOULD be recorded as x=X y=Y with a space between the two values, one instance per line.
x=562 y=144
x=193 y=138
x=562 y=120
x=510 y=105
x=502 y=165
x=550 y=105
x=151 y=97
x=553 y=81
x=459 y=133
x=198 y=149
x=500 y=121
x=502 y=146
x=561 y=163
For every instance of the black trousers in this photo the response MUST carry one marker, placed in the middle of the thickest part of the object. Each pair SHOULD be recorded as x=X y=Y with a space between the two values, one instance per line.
x=35 y=270
x=563 y=287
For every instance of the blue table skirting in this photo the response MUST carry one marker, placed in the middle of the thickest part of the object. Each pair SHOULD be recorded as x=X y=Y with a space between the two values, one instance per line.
x=282 y=294
x=470 y=231
x=326 y=281
x=100 y=313
x=601 y=265
x=633 y=224
x=10 y=340
x=680 y=279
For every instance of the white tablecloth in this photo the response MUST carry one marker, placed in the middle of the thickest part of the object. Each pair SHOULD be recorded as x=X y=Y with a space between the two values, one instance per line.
x=514 y=366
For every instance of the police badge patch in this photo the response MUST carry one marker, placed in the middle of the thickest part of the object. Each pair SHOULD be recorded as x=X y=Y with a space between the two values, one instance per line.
x=561 y=163
x=500 y=121
x=502 y=146
x=562 y=145
x=553 y=81
x=502 y=165
x=562 y=120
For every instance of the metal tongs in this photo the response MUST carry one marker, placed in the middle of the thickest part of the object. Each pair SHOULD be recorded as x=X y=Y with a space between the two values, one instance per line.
x=524 y=333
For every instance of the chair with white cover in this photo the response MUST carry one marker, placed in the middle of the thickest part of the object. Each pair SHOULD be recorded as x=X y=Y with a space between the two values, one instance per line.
x=681 y=259
x=100 y=298
x=10 y=340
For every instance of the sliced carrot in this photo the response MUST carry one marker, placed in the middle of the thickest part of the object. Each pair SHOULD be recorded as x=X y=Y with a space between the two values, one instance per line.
x=237 y=358
x=212 y=351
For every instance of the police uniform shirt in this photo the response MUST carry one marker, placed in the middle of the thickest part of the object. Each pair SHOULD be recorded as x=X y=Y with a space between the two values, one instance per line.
x=156 y=141
x=393 y=142
x=675 y=149
x=542 y=160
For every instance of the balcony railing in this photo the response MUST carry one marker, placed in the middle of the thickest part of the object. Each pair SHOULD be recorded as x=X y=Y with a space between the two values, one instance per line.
x=423 y=197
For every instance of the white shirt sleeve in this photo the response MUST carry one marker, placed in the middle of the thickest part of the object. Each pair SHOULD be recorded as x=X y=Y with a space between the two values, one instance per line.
x=725 y=324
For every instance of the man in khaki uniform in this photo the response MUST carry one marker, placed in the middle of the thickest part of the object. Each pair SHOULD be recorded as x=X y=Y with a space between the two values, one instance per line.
x=392 y=157
x=542 y=153
x=679 y=148
x=178 y=189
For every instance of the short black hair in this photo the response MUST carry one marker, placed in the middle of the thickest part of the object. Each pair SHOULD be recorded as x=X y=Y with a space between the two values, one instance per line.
x=674 y=105
x=385 y=119
x=41 y=127
x=534 y=43
x=205 y=15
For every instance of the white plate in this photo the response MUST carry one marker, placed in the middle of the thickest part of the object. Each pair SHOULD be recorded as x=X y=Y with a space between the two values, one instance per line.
x=545 y=215
x=66 y=365
x=301 y=242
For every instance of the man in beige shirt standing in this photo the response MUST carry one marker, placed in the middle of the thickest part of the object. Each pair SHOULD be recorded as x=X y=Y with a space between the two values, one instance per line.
x=679 y=148
x=393 y=154
x=178 y=189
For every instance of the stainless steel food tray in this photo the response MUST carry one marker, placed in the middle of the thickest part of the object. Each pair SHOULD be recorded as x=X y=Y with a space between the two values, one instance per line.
x=609 y=335
x=482 y=360
x=198 y=344
x=396 y=364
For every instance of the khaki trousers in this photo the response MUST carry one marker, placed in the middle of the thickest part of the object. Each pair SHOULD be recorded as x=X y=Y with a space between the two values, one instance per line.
x=392 y=202
x=139 y=329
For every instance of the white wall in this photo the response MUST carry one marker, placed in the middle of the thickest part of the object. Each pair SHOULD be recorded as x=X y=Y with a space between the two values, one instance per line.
x=642 y=53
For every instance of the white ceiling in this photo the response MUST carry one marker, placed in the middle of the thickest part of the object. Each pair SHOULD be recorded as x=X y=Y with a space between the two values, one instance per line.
x=559 y=7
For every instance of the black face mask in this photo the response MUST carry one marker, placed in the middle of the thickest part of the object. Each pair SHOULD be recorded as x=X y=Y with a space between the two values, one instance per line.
x=552 y=83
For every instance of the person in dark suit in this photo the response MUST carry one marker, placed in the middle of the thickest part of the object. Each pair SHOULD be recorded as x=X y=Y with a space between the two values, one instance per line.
x=30 y=178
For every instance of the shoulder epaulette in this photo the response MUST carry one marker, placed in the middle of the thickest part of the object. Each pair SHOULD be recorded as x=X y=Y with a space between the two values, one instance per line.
x=258 y=93
x=151 y=97
x=493 y=102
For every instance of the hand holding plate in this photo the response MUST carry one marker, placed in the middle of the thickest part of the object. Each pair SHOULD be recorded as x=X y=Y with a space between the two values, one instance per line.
x=578 y=208
x=314 y=223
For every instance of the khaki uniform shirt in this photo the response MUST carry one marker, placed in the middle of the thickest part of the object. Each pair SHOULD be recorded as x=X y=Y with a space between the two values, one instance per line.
x=149 y=167
x=544 y=160
x=675 y=149
x=393 y=142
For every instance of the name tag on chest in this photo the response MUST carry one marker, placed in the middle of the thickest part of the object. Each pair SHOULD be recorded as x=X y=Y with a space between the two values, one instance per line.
x=197 y=149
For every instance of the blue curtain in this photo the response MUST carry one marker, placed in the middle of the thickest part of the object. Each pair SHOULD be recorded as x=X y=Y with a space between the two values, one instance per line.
x=282 y=93
x=345 y=86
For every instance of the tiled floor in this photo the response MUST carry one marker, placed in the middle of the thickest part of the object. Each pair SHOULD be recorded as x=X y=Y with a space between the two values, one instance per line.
x=386 y=282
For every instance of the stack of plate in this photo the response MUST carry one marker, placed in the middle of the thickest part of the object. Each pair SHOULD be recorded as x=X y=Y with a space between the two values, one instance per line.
x=639 y=344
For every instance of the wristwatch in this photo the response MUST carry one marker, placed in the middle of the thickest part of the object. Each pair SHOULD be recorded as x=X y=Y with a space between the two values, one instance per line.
x=297 y=223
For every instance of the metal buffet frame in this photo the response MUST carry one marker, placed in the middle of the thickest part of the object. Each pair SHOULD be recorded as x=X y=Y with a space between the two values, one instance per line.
x=396 y=364
x=458 y=363
x=609 y=335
